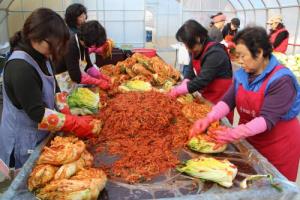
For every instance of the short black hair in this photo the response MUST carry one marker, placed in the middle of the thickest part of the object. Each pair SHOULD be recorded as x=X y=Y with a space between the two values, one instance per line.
x=254 y=38
x=236 y=22
x=72 y=12
x=92 y=33
x=190 y=31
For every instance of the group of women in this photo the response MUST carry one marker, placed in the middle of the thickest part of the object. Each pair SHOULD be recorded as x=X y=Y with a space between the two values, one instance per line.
x=44 y=47
x=265 y=93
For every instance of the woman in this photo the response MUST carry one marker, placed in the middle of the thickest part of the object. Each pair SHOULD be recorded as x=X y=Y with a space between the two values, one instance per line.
x=217 y=24
x=210 y=69
x=279 y=36
x=75 y=16
x=267 y=97
x=76 y=66
x=230 y=29
x=29 y=89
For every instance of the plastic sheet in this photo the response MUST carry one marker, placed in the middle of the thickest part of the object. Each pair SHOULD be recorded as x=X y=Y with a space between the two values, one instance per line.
x=173 y=185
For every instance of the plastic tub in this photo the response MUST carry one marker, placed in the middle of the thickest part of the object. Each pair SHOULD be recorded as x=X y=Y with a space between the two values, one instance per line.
x=147 y=52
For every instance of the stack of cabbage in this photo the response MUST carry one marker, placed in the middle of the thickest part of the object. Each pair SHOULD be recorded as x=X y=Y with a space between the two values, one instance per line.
x=83 y=101
x=290 y=61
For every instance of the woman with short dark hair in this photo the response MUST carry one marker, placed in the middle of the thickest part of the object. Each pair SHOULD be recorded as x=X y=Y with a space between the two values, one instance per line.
x=230 y=29
x=75 y=16
x=29 y=88
x=267 y=97
x=209 y=71
x=76 y=66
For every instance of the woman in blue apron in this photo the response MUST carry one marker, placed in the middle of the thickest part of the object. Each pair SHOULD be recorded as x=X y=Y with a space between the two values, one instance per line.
x=76 y=67
x=29 y=89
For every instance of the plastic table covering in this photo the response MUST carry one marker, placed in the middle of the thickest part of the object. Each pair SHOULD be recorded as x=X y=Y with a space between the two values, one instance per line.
x=175 y=186
x=172 y=185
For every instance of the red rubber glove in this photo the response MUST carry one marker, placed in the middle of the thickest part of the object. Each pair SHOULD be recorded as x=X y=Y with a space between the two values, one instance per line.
x=81 y=126
x=103 y=84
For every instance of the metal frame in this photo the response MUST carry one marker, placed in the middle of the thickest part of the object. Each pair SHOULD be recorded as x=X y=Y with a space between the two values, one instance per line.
x=235 y=10
x=297 y=29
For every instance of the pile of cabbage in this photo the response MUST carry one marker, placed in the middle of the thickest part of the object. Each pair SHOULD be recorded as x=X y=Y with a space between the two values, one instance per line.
x=290 y=61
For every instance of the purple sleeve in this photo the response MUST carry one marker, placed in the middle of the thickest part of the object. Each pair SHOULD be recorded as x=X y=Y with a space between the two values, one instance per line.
x=278 y=100
x=229 y=97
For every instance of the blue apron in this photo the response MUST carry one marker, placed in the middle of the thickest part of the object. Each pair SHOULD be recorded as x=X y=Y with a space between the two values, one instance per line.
x=18 y=132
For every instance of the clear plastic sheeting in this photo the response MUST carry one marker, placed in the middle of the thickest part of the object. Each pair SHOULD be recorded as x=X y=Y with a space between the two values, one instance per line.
x=173 y=185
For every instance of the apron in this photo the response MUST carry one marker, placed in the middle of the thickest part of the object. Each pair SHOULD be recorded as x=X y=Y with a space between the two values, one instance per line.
x=218 y=87
x=64 y=80
x=282 y=47
x=281 y=145
x=18 y=133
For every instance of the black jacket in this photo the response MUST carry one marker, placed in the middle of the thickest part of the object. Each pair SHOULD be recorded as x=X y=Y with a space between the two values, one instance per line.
x=23 y=84
x=215 y=64
x=227 y=30
x=70 y=62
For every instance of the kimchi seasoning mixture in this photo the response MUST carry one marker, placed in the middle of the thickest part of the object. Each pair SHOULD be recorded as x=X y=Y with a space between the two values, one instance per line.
x=145 y=130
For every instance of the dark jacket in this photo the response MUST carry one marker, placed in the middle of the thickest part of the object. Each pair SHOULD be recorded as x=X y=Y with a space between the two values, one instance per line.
x=227 y=30
x=70 y=61
x=215 y=64
x=23 y=84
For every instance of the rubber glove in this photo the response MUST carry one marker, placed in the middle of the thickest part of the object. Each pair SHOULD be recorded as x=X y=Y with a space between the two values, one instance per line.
x=218 y=111
x=180 y=89
x=94 y=72
x=61 y=102
x=87 y=79
x=81 y=126
x=255 y=126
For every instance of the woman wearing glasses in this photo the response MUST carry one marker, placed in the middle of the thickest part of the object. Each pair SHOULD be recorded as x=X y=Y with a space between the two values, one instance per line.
x=29 y=89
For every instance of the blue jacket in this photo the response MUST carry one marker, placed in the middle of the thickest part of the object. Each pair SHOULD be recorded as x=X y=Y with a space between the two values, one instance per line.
x=241 y=77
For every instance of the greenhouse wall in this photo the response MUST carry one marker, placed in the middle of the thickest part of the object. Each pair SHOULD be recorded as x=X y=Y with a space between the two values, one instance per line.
x=128 y=22
x=123 y=19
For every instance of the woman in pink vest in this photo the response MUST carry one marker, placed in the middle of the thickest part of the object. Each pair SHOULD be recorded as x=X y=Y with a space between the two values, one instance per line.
x=267 y=97
x=279 y=36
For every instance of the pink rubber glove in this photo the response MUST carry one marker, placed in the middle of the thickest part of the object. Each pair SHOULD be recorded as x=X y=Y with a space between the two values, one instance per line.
x=94 y=72
x=87 y=79
x=255 y=126
x=218 y=111
x=180 y=89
